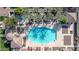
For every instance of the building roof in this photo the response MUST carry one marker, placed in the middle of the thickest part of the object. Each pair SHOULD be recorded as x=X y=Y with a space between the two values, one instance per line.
x=70 y=9
x=78 y=29
x=9 y=36
x=15 y=45
x=17 y=42
x=71 y=17
x=4 y=11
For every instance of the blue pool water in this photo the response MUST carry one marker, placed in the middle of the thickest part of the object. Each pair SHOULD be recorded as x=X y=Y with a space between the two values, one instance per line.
x=42 y=35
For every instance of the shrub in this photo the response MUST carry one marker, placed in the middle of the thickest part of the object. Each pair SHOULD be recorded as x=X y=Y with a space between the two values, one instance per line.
x=63 y=20
x=2 y=18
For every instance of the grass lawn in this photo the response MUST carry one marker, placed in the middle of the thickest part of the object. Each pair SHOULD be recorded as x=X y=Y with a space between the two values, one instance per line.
x=3 y=46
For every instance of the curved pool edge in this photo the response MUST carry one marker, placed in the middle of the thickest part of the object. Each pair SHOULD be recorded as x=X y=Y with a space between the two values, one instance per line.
x=50 y=35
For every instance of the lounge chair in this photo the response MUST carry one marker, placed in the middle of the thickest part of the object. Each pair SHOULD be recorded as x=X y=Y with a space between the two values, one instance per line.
x=47 y=49
x=29 y=49
x=64 y=30
x=37 y=49
x=67 y=40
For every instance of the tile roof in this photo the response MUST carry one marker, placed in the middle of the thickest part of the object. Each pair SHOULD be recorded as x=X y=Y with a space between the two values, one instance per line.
x=17 y=42
x=4 y=11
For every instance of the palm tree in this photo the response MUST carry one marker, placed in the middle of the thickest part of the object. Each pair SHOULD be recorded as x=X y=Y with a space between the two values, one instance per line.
x=20 y=11
x=10 y=22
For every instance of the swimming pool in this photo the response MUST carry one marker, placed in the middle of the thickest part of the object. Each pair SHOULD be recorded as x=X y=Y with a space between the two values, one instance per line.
x=42 y=35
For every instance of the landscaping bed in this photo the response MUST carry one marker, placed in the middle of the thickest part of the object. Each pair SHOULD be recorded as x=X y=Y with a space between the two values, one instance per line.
x=4 y=46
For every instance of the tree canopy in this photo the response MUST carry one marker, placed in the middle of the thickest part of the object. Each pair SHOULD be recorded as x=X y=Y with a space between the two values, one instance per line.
x=2 y=18
x=63 y=20
x=10 y=21
x=20 y=11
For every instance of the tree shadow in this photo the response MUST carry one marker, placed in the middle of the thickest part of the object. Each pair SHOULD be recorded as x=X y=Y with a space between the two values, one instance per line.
x=58 y=26
x=7 y=45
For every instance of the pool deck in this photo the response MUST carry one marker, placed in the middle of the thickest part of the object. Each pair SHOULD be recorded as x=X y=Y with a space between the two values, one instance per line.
x=58 y=43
